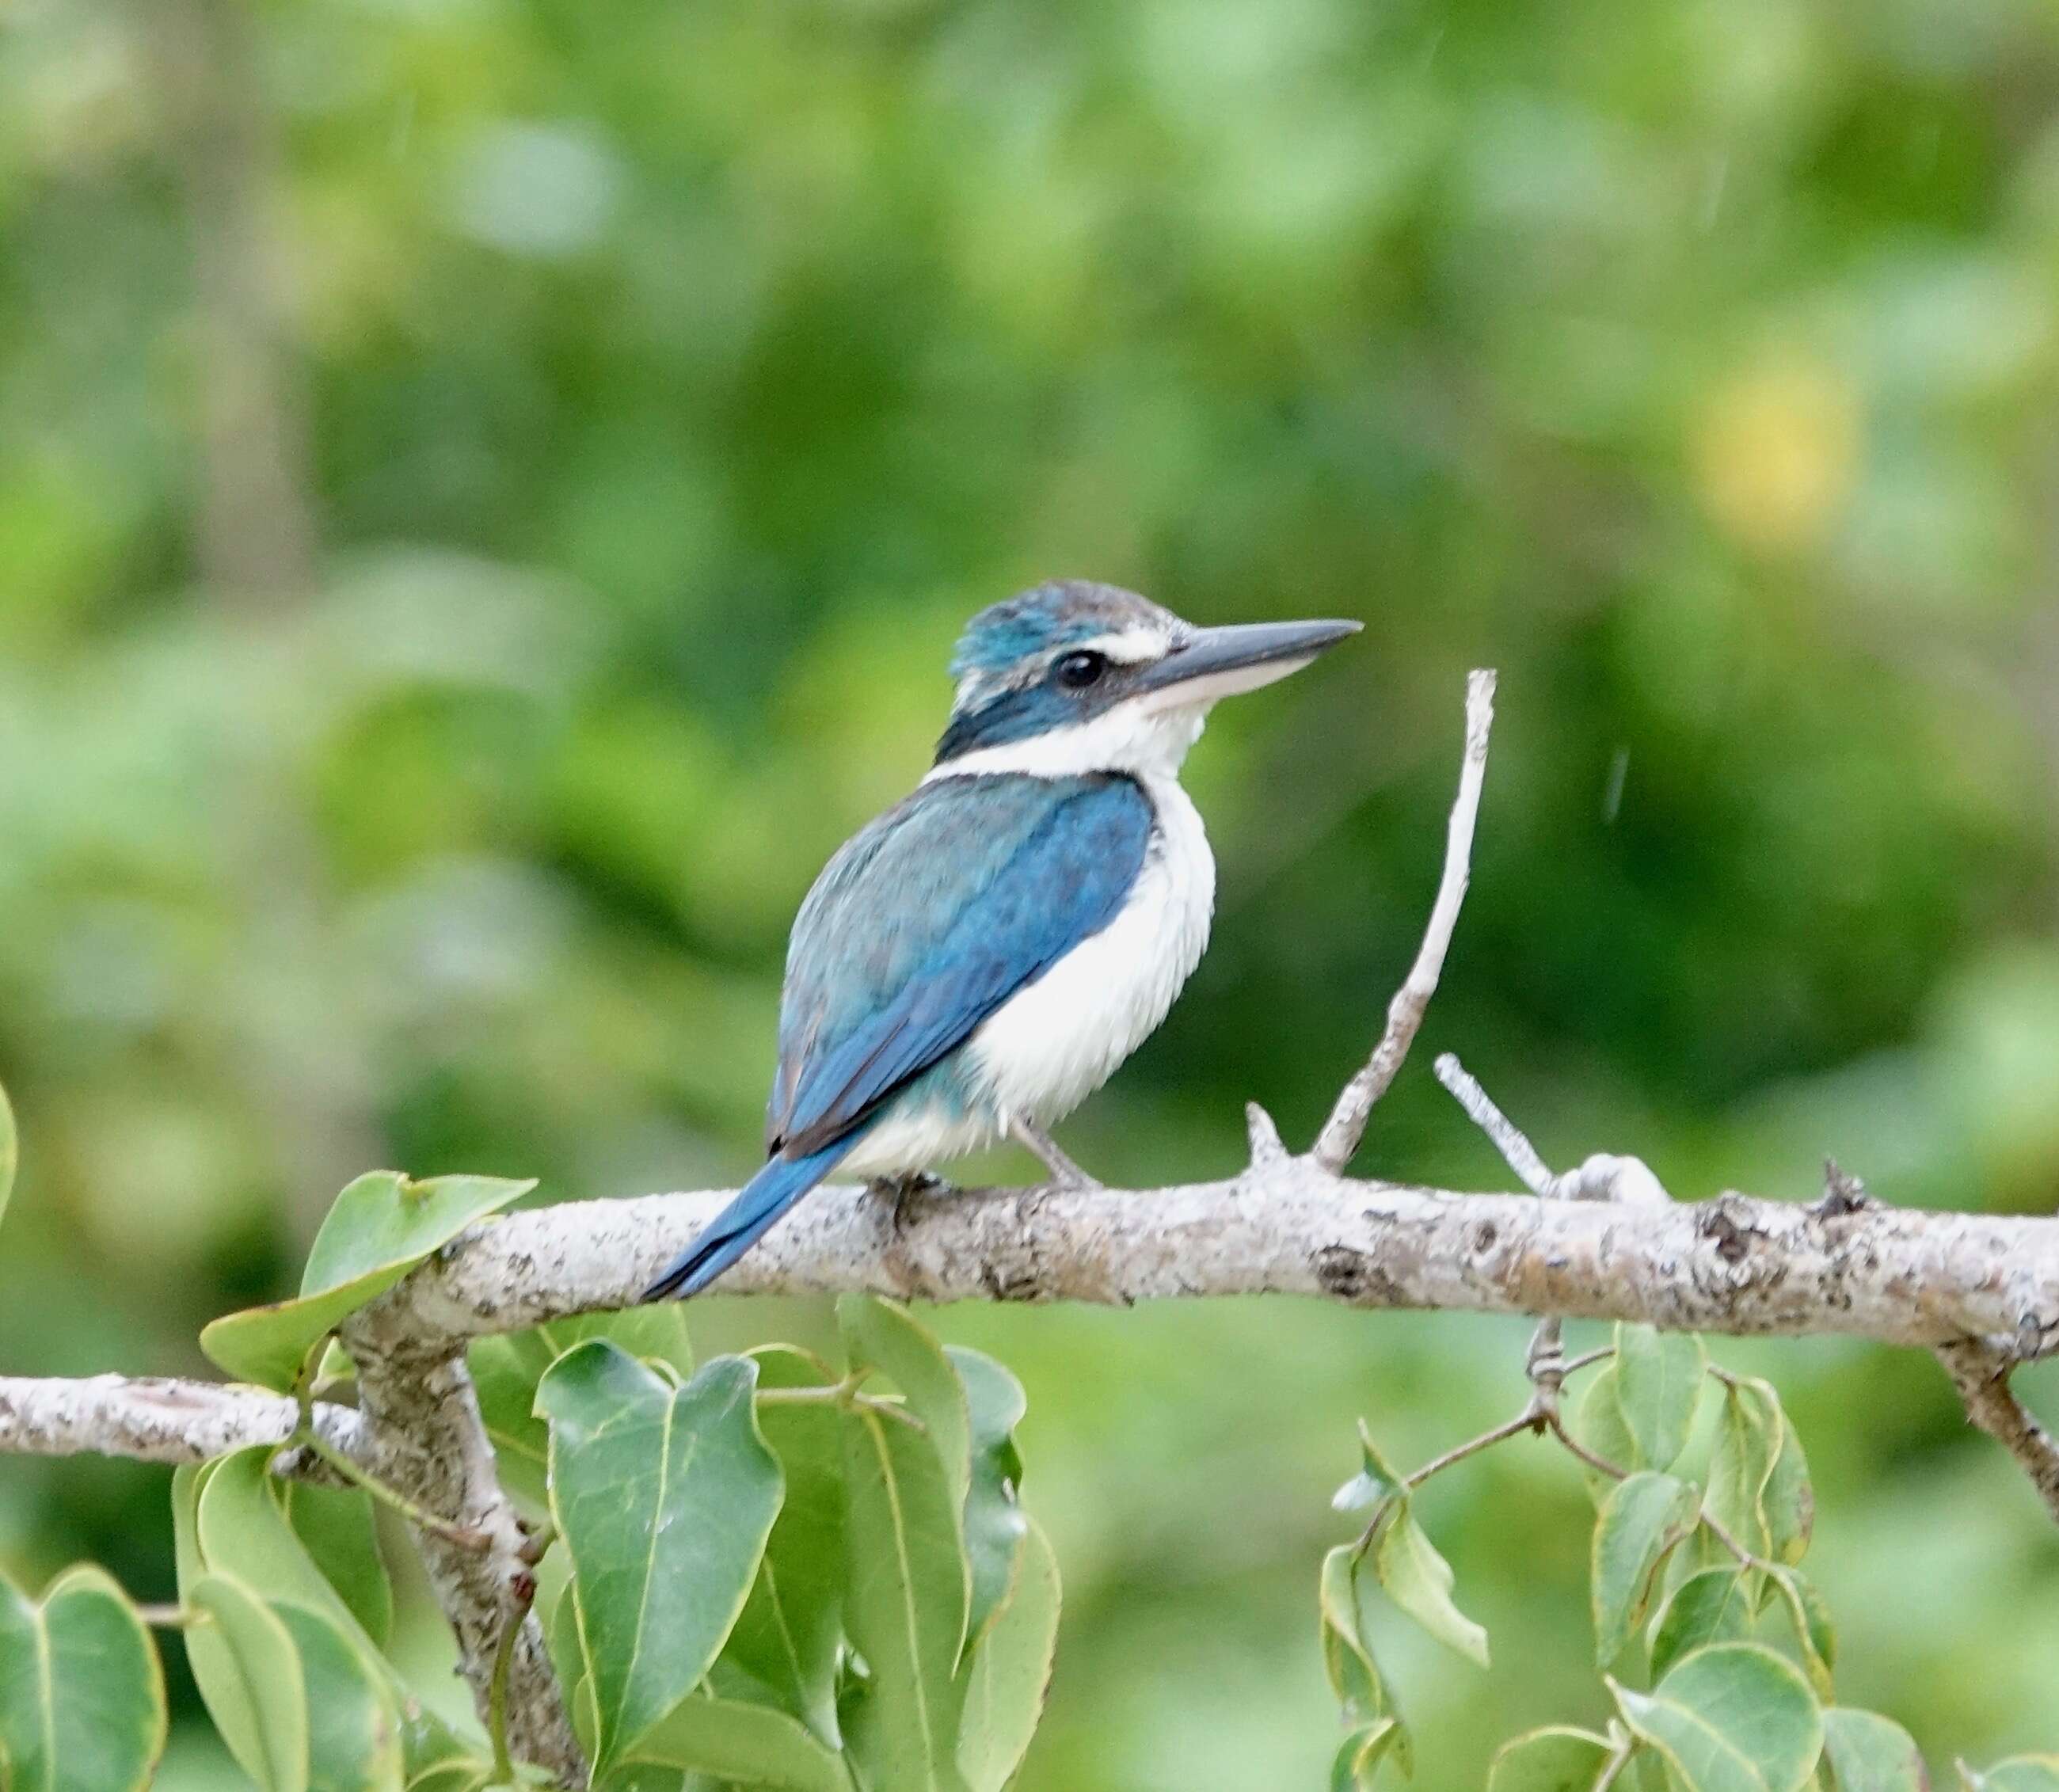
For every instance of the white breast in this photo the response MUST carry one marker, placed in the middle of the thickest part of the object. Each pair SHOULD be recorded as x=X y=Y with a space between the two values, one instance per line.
x=1054 y=1043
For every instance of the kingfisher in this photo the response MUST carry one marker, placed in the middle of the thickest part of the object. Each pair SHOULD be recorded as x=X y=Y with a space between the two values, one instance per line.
x=981 y=958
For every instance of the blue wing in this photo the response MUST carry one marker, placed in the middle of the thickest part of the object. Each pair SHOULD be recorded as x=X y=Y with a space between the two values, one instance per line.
x=929 y=921
x=923 y=926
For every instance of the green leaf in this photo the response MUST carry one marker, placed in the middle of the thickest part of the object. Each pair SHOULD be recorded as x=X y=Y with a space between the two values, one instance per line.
x=1374 y=1483
x=1553 y=1760
x=2025 y=1772
x=905 y=1603
x=433 y=1759
x=259 y=1701
x=745 y=1743
x=337 y=1527
x=244 y=1533
x=230 y=1517
x=664 y=1497
x=567 y=1654
x=882 y=1336
x=1868 y=1754
x=381 y=1226
x=1714 y=1606
x=1813 y=1631
x=1658 y=1378
x=1418 y=1580
x=11 y=1151
x=994 y=1524
x=354 y=1721
x=1598 y=1422
x=81 y=1697
x=1790 y=1498
x=791 y=1628
x=1009 y=1672
x=1347 y=1658
x=1643 y=1521
x=1358 y=1760
x=1749 y=1435
x=505 y=1371
x=1734 y=1717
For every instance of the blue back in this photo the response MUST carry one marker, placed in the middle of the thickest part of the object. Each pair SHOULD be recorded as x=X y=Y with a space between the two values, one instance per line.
x=928 y=921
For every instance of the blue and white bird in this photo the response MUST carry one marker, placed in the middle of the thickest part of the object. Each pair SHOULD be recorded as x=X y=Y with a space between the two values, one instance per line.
x=979 y=960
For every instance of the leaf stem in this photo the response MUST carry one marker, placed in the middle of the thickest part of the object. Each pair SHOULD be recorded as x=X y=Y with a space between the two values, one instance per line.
x=1613 y=1770
x=1525 y=1420
x=522 y=1601
x=1601 y=1465
x=464 y=1536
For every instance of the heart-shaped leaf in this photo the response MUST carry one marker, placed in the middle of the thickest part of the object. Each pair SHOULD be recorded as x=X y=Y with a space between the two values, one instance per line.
x=994 y=1524
x=1714 y=1606
x=381 y=1226
x=1735 y=1717
x=905 y=1602
x=1641 y=1522
x=1418 y=1580
x=505 y=1371
x=1009 y=1672
x=82 y=1698
x=745 y=1744
x=1659 y=1377
x=1868 y=1754
x=664 y=1496
x=1553 y=1760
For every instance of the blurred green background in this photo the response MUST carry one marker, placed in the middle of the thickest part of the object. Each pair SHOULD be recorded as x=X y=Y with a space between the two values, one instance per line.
x=487 y=490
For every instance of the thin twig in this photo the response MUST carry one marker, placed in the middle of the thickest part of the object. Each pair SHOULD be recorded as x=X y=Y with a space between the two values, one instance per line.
x=1980 y=1372
x=1506 y=1137
x=1345 y=1130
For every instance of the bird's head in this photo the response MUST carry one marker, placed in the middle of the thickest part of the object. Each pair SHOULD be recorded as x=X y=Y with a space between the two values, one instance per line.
x=1073 y=677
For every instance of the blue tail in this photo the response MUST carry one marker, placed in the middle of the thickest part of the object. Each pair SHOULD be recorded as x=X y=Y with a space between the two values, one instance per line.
x=757 y=1208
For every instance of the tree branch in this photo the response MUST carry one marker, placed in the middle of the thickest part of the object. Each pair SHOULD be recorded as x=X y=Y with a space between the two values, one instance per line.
x=174 y=1422
x=429 y=1439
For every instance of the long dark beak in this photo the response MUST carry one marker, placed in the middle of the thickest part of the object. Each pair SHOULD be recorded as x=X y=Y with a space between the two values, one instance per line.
x=1222 y=662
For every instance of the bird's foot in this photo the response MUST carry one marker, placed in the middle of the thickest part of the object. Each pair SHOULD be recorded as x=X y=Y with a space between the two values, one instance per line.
x=904 y=1190
x=1065 y=1173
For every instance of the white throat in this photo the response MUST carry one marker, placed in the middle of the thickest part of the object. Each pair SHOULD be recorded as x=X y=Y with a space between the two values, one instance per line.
x=1135 y=737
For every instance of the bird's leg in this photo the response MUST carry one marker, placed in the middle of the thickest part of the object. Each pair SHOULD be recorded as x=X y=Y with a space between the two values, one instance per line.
x=1039 y=1144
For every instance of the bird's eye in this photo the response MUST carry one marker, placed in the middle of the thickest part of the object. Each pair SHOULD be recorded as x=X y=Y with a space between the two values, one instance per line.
x=1080 y=672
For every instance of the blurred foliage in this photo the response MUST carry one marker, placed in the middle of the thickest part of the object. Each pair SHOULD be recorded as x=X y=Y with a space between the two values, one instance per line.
x=486 y=490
